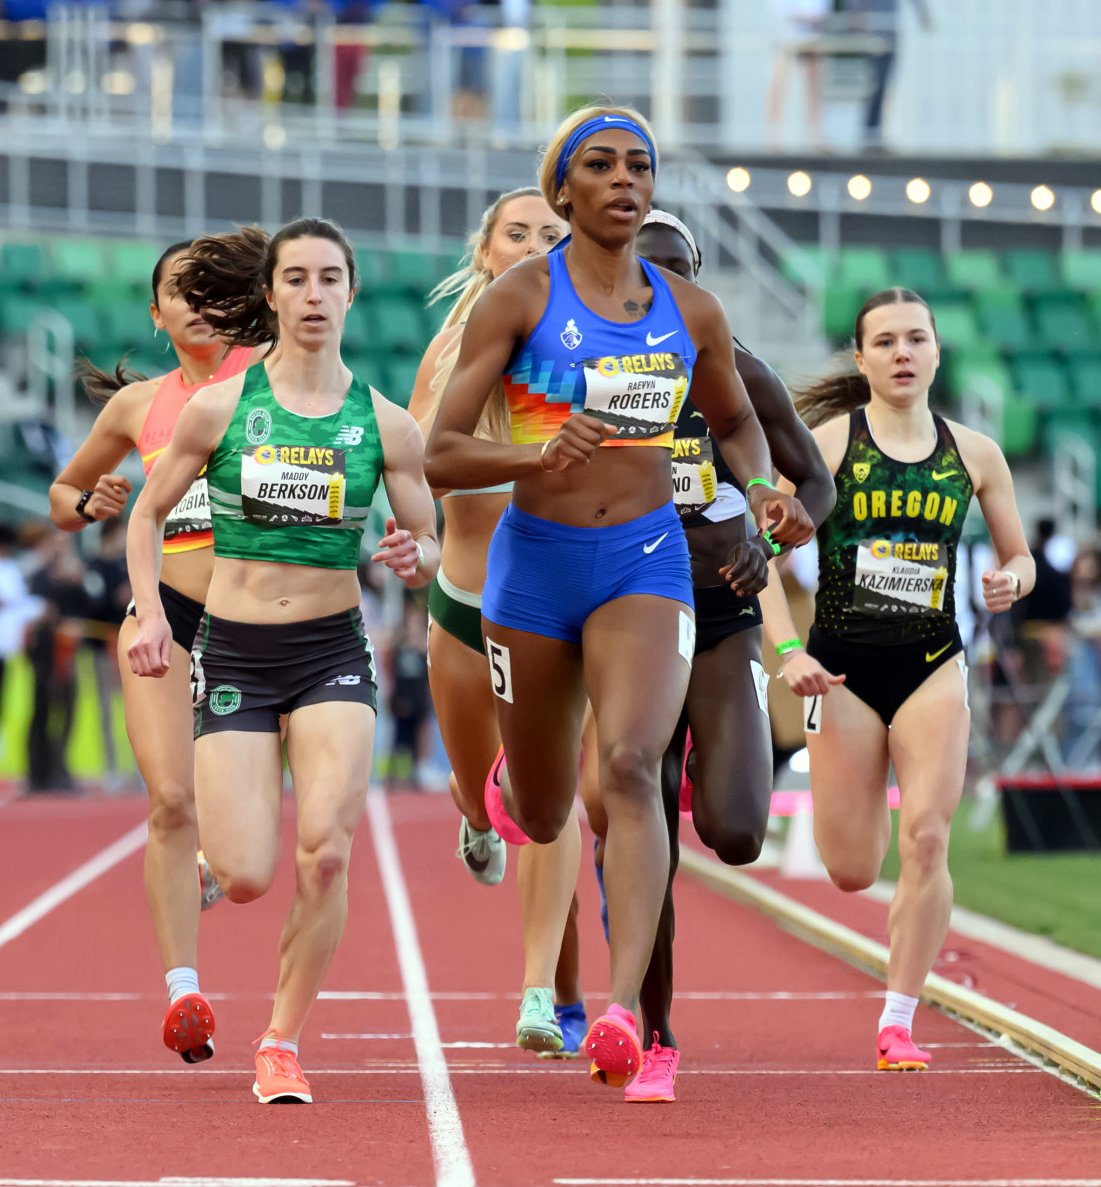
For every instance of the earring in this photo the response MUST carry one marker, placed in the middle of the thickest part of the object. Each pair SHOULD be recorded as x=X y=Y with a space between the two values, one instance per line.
x=168 y=344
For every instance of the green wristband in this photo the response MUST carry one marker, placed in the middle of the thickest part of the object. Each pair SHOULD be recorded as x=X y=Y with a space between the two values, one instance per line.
x=789 y=645
x=766 y=535
x=758 y=482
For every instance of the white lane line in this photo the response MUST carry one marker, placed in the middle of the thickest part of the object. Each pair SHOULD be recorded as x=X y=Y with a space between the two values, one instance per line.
x=72 y=884
x=172 y=1181
x=364 y=995
x=445 y=1127
x=829 y=1182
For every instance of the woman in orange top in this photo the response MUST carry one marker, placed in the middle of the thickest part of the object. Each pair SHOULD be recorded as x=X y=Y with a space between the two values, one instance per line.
x=141 y=414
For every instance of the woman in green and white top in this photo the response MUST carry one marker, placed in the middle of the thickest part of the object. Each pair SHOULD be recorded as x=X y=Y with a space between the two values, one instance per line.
x=293 y=450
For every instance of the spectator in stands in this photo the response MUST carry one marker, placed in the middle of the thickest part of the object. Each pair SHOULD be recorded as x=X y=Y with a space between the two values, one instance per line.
x=109 y=593
x=1084 y=659
x=799 y=21
x=881 y=17
x=1042 y=617
x=53 y=639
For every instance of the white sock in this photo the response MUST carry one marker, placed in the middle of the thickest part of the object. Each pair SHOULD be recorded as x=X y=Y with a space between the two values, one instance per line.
x=898 y=1010
x=180 y=981
x=273 y=1040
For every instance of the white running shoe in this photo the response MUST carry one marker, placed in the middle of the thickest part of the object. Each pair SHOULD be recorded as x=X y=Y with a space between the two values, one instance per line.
x=210 y=892
x=483 y=853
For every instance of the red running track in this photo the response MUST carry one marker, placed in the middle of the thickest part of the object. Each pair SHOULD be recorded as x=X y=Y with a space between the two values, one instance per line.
x=410 y=1056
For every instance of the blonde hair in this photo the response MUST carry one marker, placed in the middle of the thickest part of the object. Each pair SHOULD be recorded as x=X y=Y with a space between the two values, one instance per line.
x=466 y=284
x=549 y=164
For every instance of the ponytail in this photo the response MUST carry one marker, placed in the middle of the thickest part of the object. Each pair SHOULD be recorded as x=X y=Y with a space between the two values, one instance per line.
x=222 y=277
x=847 y=389
x=100 y=386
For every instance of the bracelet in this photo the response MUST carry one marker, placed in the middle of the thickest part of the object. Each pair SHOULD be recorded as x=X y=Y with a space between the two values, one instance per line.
x=543 y=454
x=1017 y=587
x=81 y=503
x=420 y=554
x=758 y=482
x=766 y=535
x=789 y=645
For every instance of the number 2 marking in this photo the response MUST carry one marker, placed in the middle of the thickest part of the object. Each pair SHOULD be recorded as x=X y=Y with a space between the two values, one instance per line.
x=812 y=715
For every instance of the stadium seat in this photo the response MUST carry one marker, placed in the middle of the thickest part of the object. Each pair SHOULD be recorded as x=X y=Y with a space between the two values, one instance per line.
x=1019 y=426
x=357 y=328
x=1063 y=322
x=17 y=313
x=415 y=272
x=130 y=263
x=956 y=324
x=864 y=268
x=397 y=325
x=372 y=269
x=22 y=265
x=920 y=269
x=974 y=270
x=1085 y=380
x=840 y=305
x=1032 y=270
x=401 y=374
x=1041 y=378
x=806 y=264
x=1081 y=270
x=79 y=260
x=1002 y=318
x=980 y=363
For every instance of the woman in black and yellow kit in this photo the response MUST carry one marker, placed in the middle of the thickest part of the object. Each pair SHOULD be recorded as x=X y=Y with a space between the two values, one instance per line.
x=294 y=450
x=883 y=676
x=588 y=587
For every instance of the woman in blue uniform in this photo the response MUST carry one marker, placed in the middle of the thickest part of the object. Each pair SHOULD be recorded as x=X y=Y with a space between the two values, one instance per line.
x=588 y=584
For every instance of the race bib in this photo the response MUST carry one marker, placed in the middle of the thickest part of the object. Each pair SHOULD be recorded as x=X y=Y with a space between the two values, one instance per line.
x=191 y=514
x=900 y=577
x=292 y=484
x=641 y=394
x=695 y=483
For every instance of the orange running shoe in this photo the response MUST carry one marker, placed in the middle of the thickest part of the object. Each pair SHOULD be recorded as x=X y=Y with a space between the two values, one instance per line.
x=279 y=1079
x=189 y=1028
x=896 y=1052
x=612 y=1045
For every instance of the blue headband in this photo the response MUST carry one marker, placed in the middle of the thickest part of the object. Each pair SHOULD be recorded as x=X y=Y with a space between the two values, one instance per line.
x=595 y=125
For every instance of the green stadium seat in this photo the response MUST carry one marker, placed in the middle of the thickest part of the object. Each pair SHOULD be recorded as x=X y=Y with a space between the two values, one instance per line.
x=84 y=318
x=956 y=324
x=1081 y=270
x=1002 y=318
x=920 y=269
x=22 y=265
x=125 y=325
x=974 y=270
x=130 y=263
x=401 y=374
x=864 y=268
x=357 y=328
x=1063 y=322
x=977 y=364
x=17 y=313
x=372 y=269
x=1019 y=426
x=80 y=260
x=416 y=271
x=806 y=264
x=1033 y=270
x=840 y=305
x=1085 y=380
x=398 y=325
x=1041 y=378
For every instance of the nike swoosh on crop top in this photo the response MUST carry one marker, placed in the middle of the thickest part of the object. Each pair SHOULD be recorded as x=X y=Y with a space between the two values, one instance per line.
x=634 y=375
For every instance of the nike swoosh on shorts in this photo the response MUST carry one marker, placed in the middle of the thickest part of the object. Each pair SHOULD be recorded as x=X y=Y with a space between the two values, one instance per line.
x=648 y=548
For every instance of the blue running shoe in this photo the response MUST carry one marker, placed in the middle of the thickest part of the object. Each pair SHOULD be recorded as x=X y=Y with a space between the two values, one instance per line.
x=574 y=1026
x=603 y=897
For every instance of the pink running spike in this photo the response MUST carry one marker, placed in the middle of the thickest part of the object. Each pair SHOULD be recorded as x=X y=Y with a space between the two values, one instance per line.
x=612 y=1045
x=507 y=828
x=654 y=1083
x=896 y=1052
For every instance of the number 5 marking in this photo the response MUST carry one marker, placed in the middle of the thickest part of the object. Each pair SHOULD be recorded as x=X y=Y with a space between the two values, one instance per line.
x=812 y=715
x=500 y=670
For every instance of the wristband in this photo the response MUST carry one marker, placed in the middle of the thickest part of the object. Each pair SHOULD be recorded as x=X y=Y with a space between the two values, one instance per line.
x=81 y=503
x=758 y=482
x=789 y=645
x=766 y=535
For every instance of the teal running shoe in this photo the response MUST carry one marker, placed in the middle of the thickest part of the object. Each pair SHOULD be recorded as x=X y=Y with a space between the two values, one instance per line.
x=537 y=1028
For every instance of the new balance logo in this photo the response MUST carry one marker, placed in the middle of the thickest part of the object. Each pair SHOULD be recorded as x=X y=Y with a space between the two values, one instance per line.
x=648 y=548
x=652 y=341
x=341 y=680
x=349 y=435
